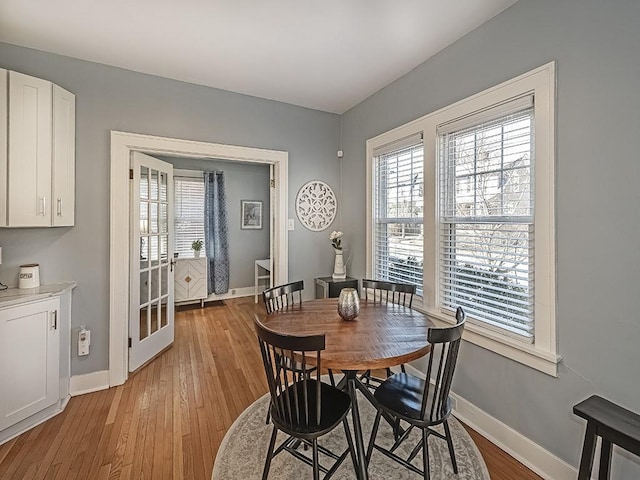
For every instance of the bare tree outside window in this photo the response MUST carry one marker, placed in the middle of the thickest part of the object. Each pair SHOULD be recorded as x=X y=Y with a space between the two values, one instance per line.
x=487 y=221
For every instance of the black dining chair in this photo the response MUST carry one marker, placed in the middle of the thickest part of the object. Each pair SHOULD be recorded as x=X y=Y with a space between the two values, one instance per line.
x=283 y=296
x=420 y=403
x=388 y=292
x=302 y=406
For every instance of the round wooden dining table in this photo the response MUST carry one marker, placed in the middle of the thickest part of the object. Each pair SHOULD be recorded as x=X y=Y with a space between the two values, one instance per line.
x=383 y=335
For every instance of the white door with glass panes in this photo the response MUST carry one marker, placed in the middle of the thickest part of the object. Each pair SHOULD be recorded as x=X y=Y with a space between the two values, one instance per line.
x=151 y=327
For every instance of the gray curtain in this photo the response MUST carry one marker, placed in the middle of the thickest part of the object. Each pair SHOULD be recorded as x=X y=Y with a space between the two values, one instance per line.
x=216 y=239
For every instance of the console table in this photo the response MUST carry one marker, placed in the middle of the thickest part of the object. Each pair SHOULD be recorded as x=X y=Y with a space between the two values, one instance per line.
x=329 y=287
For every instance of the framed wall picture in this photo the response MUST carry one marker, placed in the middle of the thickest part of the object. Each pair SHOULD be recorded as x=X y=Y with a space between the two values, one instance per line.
x=251 y=214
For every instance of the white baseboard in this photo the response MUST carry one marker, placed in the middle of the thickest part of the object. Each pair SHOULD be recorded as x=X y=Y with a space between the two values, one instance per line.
x=233 y=293
x=90 y=382
x=529 y=453
x=33 y=421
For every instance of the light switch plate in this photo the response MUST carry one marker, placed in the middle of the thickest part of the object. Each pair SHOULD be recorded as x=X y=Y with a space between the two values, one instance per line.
x=291 y=225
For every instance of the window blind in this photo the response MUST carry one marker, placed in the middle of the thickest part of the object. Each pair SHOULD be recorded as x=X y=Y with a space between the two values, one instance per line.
x=486 y=221
x=189 y=214
x=399 y=193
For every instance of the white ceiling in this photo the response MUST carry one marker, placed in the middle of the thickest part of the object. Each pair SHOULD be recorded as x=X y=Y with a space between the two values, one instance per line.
x=327 y=55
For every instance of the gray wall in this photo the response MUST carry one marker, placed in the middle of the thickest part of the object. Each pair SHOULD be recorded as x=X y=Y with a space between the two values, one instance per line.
x=597 y=47
x=242 y=181
x=108 y=99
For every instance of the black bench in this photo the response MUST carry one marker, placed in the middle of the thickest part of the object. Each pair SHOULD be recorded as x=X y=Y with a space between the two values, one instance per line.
x=616 y=425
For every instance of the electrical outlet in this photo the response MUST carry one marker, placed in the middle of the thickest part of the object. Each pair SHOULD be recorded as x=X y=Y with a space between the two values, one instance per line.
x=84 y=340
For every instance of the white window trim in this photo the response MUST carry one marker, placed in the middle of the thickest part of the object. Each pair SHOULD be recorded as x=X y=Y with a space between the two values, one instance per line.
x=543 y=354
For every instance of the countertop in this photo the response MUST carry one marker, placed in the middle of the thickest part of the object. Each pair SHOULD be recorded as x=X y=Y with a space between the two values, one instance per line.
x=15 y=296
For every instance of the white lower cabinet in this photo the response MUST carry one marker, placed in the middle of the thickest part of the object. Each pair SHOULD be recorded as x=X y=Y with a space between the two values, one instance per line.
x=190 y=280
x=29 y=359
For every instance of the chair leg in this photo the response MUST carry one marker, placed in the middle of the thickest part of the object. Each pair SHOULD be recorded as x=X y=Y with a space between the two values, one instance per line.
x=425 y=454
x=331 y=379
x=267 y=463
x=452 y=453
x=372 y=440
x=396 y=430
x=268 y=414
x=588 y=451
x=316 y=465
x=605 y=460
x=350 y=445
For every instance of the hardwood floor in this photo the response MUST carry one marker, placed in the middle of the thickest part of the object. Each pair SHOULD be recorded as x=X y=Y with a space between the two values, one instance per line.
x=168 y=420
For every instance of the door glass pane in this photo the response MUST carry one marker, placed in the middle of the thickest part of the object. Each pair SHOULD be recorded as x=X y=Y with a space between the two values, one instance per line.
x=154 y=185
x=144 y=287
x=144 y=322
x=155 y=254
x=144 y=217
x=154 y=217
x=144 y=252
x=164 y=272
x=163 y=187
x=164 y=218
x=144 y=182
x=154 y=283
x=163 y=315
x=155 y=313
x=164 y=246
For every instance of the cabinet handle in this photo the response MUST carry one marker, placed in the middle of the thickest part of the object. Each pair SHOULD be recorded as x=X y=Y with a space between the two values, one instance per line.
x=54 y=314
x=59 y=207
x=43 y=205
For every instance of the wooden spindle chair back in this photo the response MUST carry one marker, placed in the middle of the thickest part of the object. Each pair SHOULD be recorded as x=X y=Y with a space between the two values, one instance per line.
x=292 y=393
x=376 y=290
x=389 y=292
x=283 y=296
x=402 y=294
x=445 y=343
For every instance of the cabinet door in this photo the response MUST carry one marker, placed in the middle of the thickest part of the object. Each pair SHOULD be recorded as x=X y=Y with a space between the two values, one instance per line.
x=64 y=157
x=190 y=279
x=4 y=115
x=29 y=360
x=30 y=120
x=198 y=286
x=181 y=280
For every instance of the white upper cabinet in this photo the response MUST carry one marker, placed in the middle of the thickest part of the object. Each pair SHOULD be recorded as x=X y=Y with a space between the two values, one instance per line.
x=4 y=130
x=38 y=175
x=64 y=157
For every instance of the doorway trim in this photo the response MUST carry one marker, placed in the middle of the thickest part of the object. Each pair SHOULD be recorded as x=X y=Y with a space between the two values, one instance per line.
x=122 y=144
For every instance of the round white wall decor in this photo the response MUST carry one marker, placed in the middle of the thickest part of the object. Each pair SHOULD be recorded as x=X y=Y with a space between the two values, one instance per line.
x=316 y=205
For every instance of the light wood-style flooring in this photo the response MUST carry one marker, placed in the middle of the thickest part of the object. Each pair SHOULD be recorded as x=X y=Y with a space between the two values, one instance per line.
x=168 y=420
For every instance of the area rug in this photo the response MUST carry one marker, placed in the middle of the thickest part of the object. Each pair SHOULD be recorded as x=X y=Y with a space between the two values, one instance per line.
x=244 y=448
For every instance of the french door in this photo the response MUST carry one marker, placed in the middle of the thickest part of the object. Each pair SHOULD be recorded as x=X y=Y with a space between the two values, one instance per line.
x=151 y=315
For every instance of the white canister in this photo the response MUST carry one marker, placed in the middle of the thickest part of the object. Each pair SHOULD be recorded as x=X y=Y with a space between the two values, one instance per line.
x=29 y=276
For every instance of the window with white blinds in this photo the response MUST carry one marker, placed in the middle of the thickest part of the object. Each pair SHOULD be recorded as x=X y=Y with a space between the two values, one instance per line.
x=486 y=256
x=399 y=192
x=466 y=210
x=189 y=214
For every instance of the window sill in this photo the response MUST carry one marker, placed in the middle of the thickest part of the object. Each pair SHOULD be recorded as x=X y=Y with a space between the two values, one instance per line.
x=527 y=354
